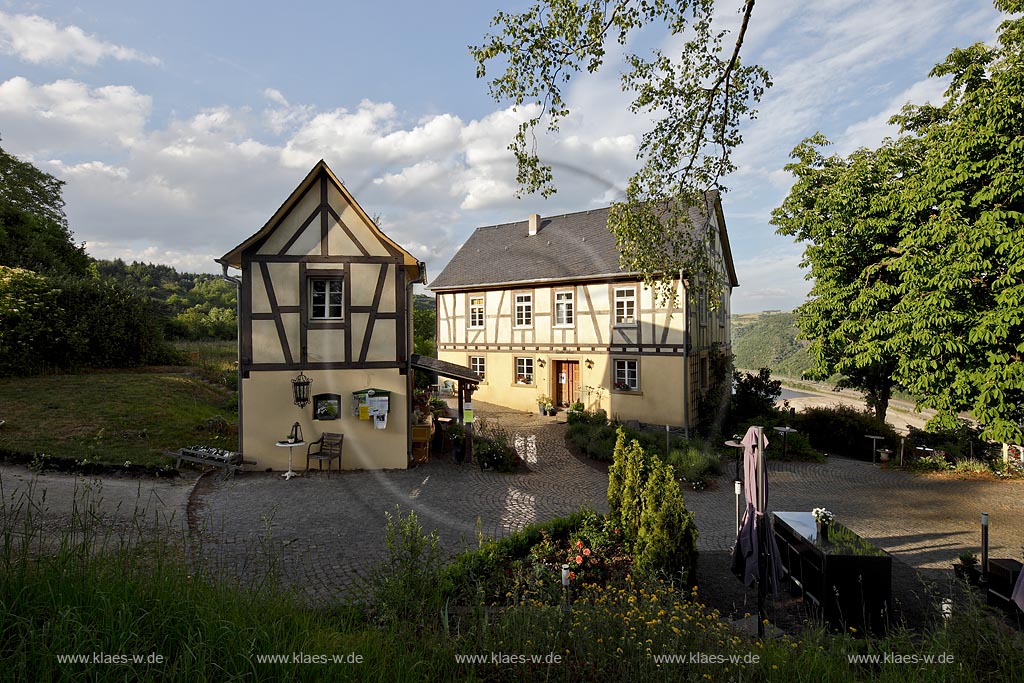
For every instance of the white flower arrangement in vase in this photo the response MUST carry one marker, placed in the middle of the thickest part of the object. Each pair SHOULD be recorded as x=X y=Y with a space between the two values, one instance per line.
x=823 y=516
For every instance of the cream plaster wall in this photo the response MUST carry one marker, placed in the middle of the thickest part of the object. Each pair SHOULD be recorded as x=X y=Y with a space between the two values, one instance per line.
x=269 y=414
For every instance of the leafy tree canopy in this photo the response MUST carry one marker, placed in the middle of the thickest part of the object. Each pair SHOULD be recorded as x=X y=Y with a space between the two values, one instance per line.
x=697 y=98
x=34 y=231
x=915 y=248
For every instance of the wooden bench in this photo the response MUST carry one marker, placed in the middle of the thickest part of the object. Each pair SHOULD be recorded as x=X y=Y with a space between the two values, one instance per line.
x=230 y=461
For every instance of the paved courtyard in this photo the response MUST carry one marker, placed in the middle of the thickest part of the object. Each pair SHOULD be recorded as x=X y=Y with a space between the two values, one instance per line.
x=324 y=532
x=321 y=533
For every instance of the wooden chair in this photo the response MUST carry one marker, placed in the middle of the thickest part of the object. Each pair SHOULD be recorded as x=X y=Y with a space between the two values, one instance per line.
x=327 y=447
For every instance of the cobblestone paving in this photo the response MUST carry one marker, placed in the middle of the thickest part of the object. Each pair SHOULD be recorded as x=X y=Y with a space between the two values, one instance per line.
x=325 y=532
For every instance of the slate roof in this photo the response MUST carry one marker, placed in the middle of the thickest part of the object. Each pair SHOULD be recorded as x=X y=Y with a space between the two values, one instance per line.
x=567 y=246
x=571 y=246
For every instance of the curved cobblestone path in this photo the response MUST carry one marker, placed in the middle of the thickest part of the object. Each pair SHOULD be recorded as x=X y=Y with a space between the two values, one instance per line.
x=323 y=533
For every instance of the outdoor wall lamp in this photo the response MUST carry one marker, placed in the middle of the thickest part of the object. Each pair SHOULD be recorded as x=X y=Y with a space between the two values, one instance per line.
x=590 y=364
x=540 y=362
x=300 y=390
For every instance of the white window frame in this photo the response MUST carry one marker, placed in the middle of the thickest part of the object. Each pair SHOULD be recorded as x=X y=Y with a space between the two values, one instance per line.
x=477 y=312
x=565 y=309
x=524 y=368
x=328 y=294
x=626 y=371
x=481 y=363
x=630 y=301
x=523 y=305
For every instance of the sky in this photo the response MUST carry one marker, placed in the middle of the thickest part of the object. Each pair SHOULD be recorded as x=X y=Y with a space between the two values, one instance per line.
x=180 y=127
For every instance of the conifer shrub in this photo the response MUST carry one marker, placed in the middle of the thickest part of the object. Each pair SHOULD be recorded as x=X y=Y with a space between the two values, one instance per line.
x=667 y=538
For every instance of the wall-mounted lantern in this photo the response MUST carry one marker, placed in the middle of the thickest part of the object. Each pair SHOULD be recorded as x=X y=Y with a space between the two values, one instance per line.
x=540 y=362
x=300 y=390
x=590 y=364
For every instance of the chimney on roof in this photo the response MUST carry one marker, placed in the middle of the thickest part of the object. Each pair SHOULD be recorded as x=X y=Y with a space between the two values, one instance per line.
x=534 y=223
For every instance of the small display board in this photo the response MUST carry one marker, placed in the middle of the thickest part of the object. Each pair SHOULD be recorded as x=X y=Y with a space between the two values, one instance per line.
x=467 y=412
x=372 y=405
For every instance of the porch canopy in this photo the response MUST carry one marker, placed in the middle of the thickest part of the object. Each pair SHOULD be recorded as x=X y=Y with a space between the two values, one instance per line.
x=466 y=378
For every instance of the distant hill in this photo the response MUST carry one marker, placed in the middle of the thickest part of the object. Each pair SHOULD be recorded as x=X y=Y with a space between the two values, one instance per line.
x=423 y=302
x=769 y=340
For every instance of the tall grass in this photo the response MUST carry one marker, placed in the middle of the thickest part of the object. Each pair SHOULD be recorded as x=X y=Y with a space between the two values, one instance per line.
x=86 y=590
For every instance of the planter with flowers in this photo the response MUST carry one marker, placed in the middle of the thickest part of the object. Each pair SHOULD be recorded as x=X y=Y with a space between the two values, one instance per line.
x=544 y=403
x=823 y=520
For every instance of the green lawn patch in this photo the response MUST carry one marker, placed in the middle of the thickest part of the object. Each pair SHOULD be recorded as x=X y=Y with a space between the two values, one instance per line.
x=114 y=417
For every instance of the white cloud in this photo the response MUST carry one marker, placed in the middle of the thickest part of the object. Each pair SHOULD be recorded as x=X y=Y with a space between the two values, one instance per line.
x=772 y=280
x=871 y=131
x=37 y=40
x=284 y=116
x=69 y=114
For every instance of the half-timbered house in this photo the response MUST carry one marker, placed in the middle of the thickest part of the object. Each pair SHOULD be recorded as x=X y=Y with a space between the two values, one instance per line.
x=542 y=308
x=324 y=294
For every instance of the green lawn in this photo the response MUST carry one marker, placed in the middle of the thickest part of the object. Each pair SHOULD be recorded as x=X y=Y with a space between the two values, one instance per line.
x=113 y=417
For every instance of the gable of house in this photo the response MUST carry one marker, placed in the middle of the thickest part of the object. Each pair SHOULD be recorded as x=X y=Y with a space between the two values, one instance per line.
x=320 y=233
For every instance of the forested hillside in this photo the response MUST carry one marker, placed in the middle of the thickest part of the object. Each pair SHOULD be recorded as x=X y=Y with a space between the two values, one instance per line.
x=196 y=305
x=769 y=340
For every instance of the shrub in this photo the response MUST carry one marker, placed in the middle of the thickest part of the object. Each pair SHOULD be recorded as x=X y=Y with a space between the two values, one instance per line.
x=493 y=447
x=487 y=566
x=407 y=587
x=667 y=537
x=930 y=463
x=962 y=441
x=66 y=323
x=694 y=465
x=635 y=469
x=27 y=331
x=840 y=430
x=754 y=394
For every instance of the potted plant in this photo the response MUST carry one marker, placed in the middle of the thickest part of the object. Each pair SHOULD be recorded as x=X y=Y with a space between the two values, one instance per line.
x=456 y=433
x=967 y=568
x=549 y=408
x=543 y=401
x=823 y=520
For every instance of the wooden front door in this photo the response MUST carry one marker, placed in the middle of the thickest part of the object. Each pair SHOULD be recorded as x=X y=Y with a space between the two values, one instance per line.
x=567 y=382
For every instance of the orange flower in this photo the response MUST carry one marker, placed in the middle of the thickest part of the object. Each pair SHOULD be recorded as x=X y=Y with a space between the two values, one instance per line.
x=572 y=575
x=579 y=544
x=586 y=551
x=579 y=560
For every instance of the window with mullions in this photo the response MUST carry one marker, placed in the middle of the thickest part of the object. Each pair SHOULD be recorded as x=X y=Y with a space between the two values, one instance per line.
x=627 y=375
x=625 y=305
x=478 y=365
x=564 y=314
x=476 y=312
x=524 y=371
x=524 y=310
x=325 y=299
